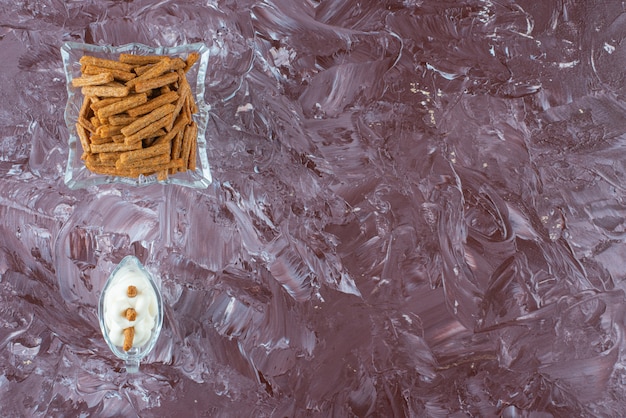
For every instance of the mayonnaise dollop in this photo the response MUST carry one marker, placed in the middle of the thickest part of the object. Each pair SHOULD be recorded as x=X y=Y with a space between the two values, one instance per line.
x=117 y=301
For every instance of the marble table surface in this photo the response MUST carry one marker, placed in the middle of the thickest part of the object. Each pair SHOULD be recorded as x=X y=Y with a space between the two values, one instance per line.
x=417 y=209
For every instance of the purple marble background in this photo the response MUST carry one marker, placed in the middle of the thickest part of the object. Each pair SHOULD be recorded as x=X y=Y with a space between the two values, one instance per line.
x=418 y=210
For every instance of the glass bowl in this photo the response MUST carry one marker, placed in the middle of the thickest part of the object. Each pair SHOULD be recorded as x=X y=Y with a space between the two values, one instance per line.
x=111 y=304
x=76 y=173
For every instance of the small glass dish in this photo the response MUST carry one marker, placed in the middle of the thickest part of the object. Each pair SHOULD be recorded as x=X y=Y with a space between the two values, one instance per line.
x=76 y=174
x=112 y=307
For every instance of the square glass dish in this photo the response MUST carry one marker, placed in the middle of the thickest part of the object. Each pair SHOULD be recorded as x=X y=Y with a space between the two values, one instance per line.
x=77 y=175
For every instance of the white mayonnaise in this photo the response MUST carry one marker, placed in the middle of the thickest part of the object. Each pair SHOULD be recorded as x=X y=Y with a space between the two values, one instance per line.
x=117 y=301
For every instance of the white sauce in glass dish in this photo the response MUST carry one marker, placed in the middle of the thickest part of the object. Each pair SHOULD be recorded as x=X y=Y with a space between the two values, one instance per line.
x=117 y=301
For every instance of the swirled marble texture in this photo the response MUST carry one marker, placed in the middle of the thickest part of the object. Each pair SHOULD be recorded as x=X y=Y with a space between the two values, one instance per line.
x=418 y=210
